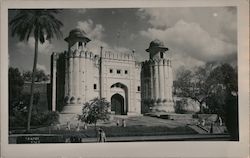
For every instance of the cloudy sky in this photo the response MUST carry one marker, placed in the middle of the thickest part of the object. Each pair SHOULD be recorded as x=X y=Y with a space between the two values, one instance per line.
x=194 y=35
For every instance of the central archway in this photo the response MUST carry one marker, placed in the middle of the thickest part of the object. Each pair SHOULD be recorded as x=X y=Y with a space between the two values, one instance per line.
x=117 y=104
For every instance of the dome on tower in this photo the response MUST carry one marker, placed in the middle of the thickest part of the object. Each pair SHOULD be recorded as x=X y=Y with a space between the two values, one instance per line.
x=77 y=35
x=156 y=44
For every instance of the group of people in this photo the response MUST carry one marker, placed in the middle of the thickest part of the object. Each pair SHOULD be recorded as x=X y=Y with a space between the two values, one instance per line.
x=68 y=126
x=202 y=122
x=218 y=122
x=123 y=122
x=101 y=136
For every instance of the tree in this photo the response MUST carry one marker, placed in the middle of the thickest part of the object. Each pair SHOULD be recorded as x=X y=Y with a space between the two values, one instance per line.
x=27 y=76
x=193 y=84
x=42 y=24
x=39 y=76
x=18 y=101
x=224 y=99
x=16 y=83
x=96 y=109
x=223 y=79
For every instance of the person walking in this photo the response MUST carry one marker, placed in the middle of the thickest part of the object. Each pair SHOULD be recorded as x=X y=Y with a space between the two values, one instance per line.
x=123 y=123
x=101 y=136
x=212 y=128
x=117 y=122
x=220 y=121
x=68 y=126
x=78 y=127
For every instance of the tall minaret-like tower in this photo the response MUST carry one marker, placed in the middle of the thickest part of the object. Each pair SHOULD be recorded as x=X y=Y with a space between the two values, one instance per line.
x=161 y=77
x=77 y=41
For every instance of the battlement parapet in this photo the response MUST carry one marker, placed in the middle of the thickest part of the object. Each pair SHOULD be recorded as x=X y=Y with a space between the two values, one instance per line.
x=82 y=54
x=118 y=56
x=165 y=62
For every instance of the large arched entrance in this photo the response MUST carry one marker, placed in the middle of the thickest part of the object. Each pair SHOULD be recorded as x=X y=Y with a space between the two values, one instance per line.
x=117 y=104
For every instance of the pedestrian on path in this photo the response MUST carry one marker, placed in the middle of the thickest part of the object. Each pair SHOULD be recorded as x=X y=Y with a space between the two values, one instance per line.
x=101 y=136
x=58 y=126
x=117 y=122
x=68 y=126
x=123 y=123
x=78 y=127
x=85 y=126
x=212 y=128
x=203 y=122
x=220 y=121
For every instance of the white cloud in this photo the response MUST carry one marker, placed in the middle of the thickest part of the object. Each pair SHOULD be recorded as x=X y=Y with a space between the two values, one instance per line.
x=164 y=16
x=96 y=33
x=190 y=39
x=28 y=47
x=222 y=26
x=93 y=31
x=132 y=37
x=182 y=60
x=42 y=67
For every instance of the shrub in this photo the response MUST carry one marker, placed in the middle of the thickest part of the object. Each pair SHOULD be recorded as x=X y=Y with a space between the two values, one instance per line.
x=46 y=118
x=96 y=109
x=18 y=120
x=38 y=119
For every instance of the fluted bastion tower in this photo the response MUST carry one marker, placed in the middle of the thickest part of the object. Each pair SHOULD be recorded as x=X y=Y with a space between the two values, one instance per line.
x=157 y=79
x=76 y=55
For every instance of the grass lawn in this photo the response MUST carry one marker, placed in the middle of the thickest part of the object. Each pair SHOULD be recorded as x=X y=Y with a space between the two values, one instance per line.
x=114 y=131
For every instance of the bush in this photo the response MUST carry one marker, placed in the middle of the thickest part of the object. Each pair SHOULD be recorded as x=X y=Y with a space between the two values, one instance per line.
x=39 y=119
x=96 y=109
x=46 y=118
x=179 y=107
x=232 y=117
x=18 y=120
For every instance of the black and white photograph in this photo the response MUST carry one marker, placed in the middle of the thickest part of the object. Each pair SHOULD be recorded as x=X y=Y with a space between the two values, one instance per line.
x=112 y=75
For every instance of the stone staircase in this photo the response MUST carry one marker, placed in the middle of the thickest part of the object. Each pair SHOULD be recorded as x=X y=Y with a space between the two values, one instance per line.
x=171 y=116
x=71 y=118
x=198 y=129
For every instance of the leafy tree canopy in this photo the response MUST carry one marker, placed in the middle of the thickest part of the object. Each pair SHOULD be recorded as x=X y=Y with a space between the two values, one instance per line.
x=206 y=82
x=39 y=76
x=96 y=109
x=16 y=83
x=40 y=23
x=18 y=100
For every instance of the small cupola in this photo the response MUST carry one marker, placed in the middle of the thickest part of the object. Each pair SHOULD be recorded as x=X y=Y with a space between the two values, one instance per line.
x=156 y=48
x=77 y=36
